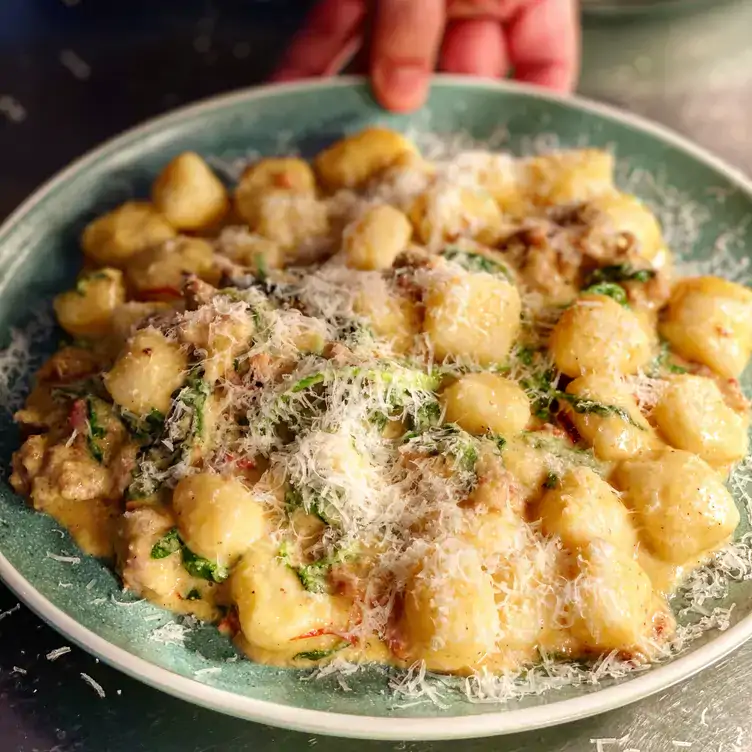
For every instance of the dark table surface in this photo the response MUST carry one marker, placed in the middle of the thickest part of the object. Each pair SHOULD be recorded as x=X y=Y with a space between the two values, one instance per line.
x=75 y=72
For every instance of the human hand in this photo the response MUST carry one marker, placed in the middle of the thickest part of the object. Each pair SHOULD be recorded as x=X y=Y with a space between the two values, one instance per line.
x=538 y=39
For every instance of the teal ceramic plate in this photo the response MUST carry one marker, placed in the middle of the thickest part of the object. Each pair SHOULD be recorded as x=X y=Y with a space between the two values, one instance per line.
x=699 y=199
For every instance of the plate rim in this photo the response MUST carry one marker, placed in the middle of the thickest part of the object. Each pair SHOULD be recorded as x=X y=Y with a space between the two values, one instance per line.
x=504 y=721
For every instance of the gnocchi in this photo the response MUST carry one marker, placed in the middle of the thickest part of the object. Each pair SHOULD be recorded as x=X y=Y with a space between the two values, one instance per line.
x=189 y=195
x=472 y=317
x=596 y=334
x=147 y=372
x=709 y=320
x=680 y=520
x=379 y=408
x=88 y=310
x=115 y=237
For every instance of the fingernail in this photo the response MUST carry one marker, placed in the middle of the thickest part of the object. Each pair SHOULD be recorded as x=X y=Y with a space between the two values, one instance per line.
x=400 y=87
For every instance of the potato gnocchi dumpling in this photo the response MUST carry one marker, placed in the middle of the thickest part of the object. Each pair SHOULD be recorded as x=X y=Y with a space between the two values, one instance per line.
x=616 y=603
x=454 y=415
x=583 y=508
x=605 y=414
x=189 y=195
x=451 y=619
x=692 y=414
x=475 y=317
x=271 y=177
x=88 y=309
x=218 y=517
x=115 y=237
x=147 y=372
x=160 y=272
x=486 y=403
x=446 y=212
x=353 y=161
x=276 y=612
x=391 y=315
x=598 y=335
x=568 y=176
x=682 y=507
x=375 y=240
x=627 y=215
x=709 y=320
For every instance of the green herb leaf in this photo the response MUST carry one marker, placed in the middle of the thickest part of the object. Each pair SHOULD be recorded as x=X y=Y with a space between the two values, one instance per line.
x=82 y=283
x=199 y=567
x=525 y=355
x=144 y=429
x=426 y=416
x=541 y=392
x=314 y=503
x=261 y=267
x=317 y=655
x=583 y=405
x=500 y=441
x=620 y=273
x=662 y=362
x=476 y=262
x=95 y=430
x=552 y=480
x=610 y=289
x=314 y=577
x=447 y=440
x=169 y=543
x=194 y=395
x=193 y=595
x=308 y=381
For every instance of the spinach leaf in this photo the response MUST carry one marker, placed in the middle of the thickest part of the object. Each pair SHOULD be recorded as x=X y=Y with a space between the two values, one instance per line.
x=552 y=480
x=525 y=355
x=195 y=565
x=620 y=273
x=168 y=544
x=500 y=441
x=317 y=655
x=448 y=440
x=314 y=503
x=308 y=381
x=662 y=362
x=610 y=289
x=541 y=393
x=583 y=405
x=426 y=416
x=147 y=428
x=476 y=262
x=314 y=576
x=199 y=567
x=261 y=266
x=194 y=394
x=94 y=430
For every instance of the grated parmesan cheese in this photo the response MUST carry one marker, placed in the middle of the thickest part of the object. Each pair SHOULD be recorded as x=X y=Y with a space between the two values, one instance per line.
x=53 y=655
x=96 y=686
x=73 y=560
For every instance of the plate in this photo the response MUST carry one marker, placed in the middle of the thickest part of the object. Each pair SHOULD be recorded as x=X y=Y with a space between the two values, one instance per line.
x=703 y=203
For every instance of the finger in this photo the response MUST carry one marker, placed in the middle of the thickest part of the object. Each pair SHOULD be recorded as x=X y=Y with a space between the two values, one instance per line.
x=406 y=39
x=475 y=48
x=501 y=10
x=543 y=44
x=329 y=37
